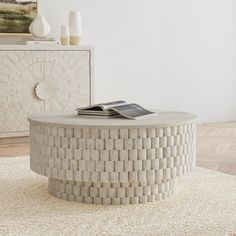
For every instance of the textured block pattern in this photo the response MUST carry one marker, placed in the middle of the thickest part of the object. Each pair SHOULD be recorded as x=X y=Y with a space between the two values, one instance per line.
x=110 y=194
x=112 y=165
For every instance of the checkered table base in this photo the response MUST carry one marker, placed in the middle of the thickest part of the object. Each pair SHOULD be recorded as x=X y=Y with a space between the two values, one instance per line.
x=112 y=165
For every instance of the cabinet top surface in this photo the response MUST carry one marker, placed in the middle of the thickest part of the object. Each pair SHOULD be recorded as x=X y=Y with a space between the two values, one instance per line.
x=45 y=47
x=70 y=118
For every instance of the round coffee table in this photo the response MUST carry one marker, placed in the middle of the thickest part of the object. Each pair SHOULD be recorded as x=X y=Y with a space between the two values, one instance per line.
x=112 y=161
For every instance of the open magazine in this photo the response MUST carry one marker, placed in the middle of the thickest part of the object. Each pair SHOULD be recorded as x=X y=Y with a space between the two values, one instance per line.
x=115 y=109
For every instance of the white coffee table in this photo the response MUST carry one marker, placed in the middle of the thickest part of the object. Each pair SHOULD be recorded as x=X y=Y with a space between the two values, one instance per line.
x=112 y=161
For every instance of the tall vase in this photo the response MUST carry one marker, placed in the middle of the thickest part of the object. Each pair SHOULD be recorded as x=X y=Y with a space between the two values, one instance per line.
x=75 y=27
x=40 y=27
x=65 y=35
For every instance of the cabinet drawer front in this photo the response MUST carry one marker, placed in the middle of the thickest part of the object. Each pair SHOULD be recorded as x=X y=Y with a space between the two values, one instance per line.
x=36 y=81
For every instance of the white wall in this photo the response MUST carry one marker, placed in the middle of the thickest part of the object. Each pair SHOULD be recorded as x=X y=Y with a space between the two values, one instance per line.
x=167 y=54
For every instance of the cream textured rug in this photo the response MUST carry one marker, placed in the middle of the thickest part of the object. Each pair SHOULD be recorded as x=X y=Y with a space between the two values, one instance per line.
x=205 y=204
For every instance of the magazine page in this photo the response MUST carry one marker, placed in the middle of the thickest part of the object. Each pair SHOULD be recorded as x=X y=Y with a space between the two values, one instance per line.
x=101 y=106
x=96 y=107
x=132 y=111
x=113 y=104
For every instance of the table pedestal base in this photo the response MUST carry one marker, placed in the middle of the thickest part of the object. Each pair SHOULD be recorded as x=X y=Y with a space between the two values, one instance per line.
x=110 y=193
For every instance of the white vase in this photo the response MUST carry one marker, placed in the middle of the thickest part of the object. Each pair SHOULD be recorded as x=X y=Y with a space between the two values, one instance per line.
x=75 y=27
x=40 y=27
x=65 y=35
x=31 y=27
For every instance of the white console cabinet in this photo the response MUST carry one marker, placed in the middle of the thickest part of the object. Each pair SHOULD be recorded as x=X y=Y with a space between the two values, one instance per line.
x=34 y=79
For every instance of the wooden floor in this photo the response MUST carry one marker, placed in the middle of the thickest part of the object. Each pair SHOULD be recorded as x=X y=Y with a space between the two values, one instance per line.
x=216 y=147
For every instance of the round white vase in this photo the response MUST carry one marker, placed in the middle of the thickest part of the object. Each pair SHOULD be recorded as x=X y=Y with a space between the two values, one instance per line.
x=40 y=27
x=75 y=27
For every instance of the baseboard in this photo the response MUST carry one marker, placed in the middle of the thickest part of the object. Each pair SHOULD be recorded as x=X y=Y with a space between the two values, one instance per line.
x=14 y=140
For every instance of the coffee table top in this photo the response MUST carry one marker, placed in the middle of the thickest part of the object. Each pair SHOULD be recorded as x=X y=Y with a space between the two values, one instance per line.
x=70 y=118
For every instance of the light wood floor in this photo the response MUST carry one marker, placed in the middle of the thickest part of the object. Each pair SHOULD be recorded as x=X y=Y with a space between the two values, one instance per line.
x=216 y=147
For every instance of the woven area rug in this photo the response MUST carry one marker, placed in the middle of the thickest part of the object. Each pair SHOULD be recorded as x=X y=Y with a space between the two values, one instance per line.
x=204 y=204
